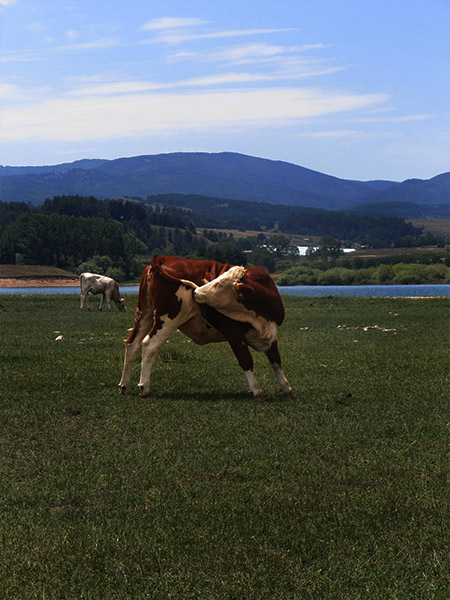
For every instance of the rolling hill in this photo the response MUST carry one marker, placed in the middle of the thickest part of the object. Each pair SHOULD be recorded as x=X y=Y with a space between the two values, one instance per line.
x=226 y=174
x=223 y=175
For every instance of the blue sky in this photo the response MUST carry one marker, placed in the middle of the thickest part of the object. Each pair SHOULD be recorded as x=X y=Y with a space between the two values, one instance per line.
x=359 y=89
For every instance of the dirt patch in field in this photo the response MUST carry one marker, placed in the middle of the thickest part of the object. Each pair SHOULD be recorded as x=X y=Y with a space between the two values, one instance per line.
x=8 y=282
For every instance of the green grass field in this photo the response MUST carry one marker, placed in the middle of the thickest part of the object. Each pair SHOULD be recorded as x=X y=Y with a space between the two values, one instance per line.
x=340 y=491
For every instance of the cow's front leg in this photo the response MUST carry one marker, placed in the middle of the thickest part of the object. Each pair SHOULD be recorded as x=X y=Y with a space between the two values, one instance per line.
x=234 y=332
x=273 y=355
x=238 y=344
x=101 y=302
x=107 y=297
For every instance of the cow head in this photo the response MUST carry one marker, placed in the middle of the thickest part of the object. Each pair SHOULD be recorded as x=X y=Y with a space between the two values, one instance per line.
x=220 y=292
x=121 y=304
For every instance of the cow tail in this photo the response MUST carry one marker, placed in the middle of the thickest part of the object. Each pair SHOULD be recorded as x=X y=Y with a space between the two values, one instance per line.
x=144 y=304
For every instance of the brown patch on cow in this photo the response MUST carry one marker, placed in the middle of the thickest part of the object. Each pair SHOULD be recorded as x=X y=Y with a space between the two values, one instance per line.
x=258 y=292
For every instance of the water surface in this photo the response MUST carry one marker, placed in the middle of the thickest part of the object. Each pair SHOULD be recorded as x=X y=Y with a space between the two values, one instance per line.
x=377 y=291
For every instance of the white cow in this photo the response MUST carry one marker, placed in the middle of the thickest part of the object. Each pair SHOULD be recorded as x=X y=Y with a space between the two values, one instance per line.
x=100 y=284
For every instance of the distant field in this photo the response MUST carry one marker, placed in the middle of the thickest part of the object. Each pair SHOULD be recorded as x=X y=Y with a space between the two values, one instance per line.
x=14 y=271
x=370 y=252
x=201 y=492
x=439 y=227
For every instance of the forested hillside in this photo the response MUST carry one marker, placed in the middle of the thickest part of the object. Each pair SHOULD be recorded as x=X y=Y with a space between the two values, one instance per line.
x=85 y=233
x=225 y=175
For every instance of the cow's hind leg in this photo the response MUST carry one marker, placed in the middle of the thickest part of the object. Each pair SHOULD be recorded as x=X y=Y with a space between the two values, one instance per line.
x=159 y=334
x=273 y=355
x=132 y=347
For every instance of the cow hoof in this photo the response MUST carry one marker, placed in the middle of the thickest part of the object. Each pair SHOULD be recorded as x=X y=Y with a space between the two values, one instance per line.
x=123 y=389
x=287 y=390
x=143 y=392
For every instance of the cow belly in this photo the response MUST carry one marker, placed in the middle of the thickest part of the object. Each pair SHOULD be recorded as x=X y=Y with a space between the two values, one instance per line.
x=201 y=332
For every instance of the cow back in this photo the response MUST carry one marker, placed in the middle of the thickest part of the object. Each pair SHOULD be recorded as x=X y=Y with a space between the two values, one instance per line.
x=197 y=271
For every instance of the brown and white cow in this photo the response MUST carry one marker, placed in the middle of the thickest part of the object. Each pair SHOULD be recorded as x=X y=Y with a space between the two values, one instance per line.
x=100 y=284
x=173 y=295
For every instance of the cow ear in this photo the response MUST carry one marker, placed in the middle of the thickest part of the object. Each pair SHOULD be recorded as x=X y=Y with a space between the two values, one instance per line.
x=238 y=288
x=242 y=290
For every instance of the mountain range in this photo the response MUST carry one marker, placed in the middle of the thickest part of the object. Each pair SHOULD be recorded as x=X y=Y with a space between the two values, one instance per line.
x=225 y=175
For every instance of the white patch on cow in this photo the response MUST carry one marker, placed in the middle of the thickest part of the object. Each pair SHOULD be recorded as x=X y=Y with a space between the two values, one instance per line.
x=216 y=292
x=263 y=333
x=253 y=384
x=194 y=326
x=281 y=379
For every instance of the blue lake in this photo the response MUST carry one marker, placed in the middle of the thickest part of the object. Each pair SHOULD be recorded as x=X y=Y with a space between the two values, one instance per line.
x=380 y=291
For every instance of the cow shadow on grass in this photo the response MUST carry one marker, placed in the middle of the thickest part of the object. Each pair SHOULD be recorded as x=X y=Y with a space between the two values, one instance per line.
x=205 y=396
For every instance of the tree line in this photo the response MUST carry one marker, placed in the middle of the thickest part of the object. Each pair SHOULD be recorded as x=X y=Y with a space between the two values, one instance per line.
x=117 y=235
x=208 y=212
x=400 y=273
x=83 y=233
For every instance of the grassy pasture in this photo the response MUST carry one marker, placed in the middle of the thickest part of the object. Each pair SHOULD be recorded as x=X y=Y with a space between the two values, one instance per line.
x=201 y=492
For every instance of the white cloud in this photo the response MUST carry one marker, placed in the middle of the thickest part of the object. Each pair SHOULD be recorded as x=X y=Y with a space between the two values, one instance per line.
x=348 y=135
x=8 y=91
x=92 y=45
x=395 y=119
x=284 y=61
x=97 y=88
x=78 y=119
x=43 y=54
x=171 y=23
x=71 y=34
x=173 y=38
x=258 y=51
x=37 y=26
x=123 y=87
x=19 y=57
x=336 y=133
x=4 y=3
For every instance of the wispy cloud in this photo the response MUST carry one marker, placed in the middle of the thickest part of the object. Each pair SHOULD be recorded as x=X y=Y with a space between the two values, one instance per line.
x=256 y=52
x=44 y=53
x=268 y=61
x=175 y=37
x=77 y=119
x=91 y=45
x=27 y=56
x=171 y=23
x=206 y=81
x=344 y=134
x=395 y=119
x=4 y=3
x=8 y=91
